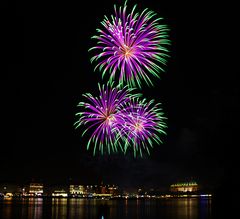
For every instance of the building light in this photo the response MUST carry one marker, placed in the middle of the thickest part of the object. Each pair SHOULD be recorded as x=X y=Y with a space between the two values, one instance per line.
x=184 y=187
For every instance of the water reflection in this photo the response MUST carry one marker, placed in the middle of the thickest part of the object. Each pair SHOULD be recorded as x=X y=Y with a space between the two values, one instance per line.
x=35 y=208
x=63 y=208
x=59 y=208
x=8 y=210
x=103 y=211
x=186 y=208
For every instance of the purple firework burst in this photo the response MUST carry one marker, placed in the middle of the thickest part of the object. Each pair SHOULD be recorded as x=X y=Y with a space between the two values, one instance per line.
x=140 y=125
x=131 y=46
x=101 y=114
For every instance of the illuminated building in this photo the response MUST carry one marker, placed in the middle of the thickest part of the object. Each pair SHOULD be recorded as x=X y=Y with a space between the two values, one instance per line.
x=76 y=189
x=113 y=190
x=103 y=189
x=184 y=187
x=89 y=189
x=36 y=189
x=60 y=193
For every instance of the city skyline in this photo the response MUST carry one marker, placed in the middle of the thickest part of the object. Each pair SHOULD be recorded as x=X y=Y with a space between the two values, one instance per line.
x=37 y=189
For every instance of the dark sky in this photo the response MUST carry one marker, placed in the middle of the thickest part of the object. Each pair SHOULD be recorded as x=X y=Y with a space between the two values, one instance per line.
x=47 y=69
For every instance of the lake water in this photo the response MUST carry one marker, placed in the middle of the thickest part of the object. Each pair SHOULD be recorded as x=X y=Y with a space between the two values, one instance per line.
x=61 y=208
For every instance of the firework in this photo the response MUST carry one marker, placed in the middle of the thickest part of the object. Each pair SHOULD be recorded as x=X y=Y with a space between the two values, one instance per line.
x=140 y=125
x=131 y=46
x=100 y=115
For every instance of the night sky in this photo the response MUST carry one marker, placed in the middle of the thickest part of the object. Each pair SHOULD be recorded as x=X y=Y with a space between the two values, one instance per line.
x=47 y=69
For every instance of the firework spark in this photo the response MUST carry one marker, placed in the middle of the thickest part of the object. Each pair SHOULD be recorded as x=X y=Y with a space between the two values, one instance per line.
x=140 y=125
x=100 y=114
x=130 y=46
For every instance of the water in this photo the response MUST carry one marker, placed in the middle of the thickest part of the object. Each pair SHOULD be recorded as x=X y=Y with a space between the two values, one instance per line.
x=61 y=208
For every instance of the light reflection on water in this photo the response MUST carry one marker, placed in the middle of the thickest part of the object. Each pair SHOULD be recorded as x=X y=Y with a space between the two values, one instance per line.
x=63 y=208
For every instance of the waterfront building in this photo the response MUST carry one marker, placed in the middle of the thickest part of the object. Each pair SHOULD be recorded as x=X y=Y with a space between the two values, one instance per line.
x=9 y=189
x=90 y=189
x=103 y=189
x=184 y=187
x=76 y=190
x=35 y=189
x=60 y=193
x=113 y=190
